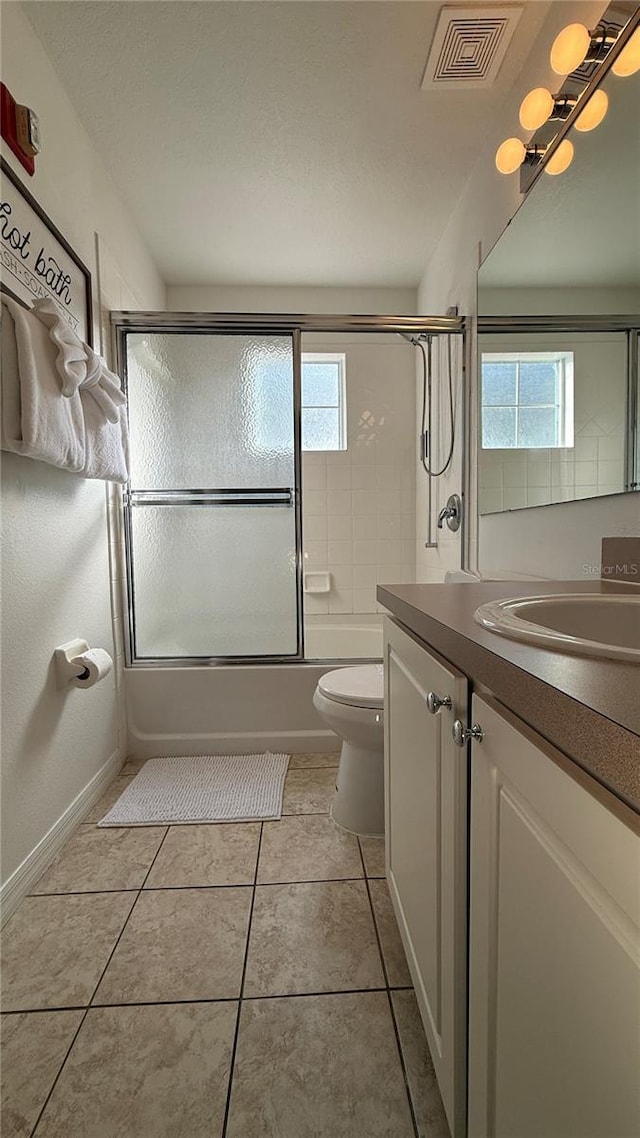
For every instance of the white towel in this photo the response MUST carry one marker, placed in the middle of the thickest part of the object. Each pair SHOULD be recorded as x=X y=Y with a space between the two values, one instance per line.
x=85 y=373
x=61 y=404
x=36 y=420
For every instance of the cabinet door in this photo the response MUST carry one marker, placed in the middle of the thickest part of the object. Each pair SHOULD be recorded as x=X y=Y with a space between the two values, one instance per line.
x=554 y=982
x=426 y=823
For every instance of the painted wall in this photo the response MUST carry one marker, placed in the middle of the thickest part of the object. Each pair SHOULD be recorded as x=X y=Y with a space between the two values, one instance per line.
x=520 y=541
x=56 y=563
x=362 y=301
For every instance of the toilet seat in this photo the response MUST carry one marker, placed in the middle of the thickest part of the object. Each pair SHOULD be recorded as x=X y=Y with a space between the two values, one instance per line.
x=360 y=686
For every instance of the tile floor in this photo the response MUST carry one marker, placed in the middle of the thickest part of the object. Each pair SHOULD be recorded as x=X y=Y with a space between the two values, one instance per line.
x=229 y=981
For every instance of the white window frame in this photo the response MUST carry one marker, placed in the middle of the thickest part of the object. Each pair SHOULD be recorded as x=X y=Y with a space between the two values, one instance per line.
x=565 y=401
x=340 y=359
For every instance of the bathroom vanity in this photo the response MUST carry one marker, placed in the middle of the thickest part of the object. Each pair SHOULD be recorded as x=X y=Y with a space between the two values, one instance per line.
x=512 y=779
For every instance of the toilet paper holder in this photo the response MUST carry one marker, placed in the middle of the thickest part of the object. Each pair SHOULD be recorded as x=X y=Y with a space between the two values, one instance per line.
x=67 y=666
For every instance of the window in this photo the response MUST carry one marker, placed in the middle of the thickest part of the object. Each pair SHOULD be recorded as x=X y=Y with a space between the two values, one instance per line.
x=323 y=401
x=527 y=400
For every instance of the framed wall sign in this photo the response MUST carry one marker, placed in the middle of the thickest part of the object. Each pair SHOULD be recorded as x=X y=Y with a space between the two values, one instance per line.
x=37 y=261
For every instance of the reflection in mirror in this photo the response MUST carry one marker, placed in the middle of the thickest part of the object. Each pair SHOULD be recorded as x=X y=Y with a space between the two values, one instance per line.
x=558 y=403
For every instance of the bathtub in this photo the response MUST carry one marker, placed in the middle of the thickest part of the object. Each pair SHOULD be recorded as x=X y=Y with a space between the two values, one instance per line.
x=343 y=636
x=242 y=709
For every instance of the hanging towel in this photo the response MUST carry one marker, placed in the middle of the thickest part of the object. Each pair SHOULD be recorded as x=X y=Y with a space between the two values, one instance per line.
x=79 y=367
x=60 y=402
x=83 y=372
x=36 y=420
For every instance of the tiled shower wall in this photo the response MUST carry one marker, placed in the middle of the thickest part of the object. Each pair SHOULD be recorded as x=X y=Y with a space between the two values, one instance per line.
x=359 y=504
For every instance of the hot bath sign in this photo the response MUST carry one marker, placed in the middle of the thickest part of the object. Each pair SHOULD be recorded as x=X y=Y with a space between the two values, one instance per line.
x=37 y=261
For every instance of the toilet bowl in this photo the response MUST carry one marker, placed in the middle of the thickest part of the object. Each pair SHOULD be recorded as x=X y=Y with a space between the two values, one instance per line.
x=351 y=702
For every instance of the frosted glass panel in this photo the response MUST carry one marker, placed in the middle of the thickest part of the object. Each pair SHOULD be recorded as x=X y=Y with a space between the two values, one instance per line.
x=209 y=410
x=214 y=581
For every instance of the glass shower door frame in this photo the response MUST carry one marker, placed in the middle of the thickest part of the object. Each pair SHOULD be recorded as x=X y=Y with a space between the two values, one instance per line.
x=217 y=498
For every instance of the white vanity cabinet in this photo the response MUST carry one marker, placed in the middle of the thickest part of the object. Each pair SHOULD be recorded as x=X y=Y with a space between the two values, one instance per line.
x=554 y=980
x=426 y=828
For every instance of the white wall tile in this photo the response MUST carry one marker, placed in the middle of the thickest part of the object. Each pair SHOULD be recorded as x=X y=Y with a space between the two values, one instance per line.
x=316 y=555
x=363 y=477
x=340 y=527
x=315 y=527
x=340 y=553
x=365 y=552
x=314 y=502
x=339 y=477
x=341 y=601
x=363 y=502
x=364 y=528
x=339 y=502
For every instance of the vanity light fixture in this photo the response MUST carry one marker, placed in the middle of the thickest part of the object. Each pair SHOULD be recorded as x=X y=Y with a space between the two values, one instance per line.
x=628 y=62
x=583 y=57
x=570 y=48
x=510 y=155
x=594 y=111
x=561 y=160
x=540 y=105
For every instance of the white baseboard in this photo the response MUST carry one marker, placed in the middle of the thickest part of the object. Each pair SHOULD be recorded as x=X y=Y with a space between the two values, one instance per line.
x=232 y=743
x=21 y=880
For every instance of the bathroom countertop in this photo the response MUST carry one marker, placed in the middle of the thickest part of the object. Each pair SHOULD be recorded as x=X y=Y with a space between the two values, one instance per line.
x=586 y=707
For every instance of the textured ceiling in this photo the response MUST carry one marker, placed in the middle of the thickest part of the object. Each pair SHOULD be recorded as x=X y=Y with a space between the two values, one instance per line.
x=275 y=143
x=581 y=228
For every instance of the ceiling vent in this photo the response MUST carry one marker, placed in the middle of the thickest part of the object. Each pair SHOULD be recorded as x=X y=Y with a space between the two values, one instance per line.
x=468 y=46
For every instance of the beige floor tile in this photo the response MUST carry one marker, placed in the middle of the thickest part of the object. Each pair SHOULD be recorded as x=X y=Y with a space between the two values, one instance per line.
x=34 y=1045
x=423 y=1087
x=316 y=937
x=109 y=798
x=55 y=948
x=333 y=1070
x=180 y=944
x=309 y=791
x=304 y=762
x=373 y=855
x=392 y=948
x=207 y=855
x=145 y=1072
x=96 y=859
x=307 y=847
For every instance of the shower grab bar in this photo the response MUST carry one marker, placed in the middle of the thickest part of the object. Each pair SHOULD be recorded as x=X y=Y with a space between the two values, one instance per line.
x=277 y=496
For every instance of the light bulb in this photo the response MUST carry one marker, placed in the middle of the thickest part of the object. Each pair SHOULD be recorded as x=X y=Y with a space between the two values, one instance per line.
x=570 y=48
x=510 y=155
x=562 y=158
x=536 y=108
x=594 y=112
x=628 y=62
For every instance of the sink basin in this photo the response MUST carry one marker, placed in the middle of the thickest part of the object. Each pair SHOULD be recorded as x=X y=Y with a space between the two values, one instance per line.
x=586 y=624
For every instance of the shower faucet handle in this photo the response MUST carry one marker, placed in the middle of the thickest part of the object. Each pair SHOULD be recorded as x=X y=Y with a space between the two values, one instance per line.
x=451 y=513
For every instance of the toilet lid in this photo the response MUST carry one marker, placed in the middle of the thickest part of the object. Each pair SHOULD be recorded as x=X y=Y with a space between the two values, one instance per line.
x=362 y=686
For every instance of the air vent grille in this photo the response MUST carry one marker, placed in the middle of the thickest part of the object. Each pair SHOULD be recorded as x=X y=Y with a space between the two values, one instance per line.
x=469 y=46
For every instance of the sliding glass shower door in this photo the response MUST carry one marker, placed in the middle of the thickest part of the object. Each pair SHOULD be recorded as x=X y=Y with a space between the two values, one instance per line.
x=212 y=511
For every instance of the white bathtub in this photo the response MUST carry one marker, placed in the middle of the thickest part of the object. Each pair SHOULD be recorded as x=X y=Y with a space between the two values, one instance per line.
x=240 y=709
x=348 y=636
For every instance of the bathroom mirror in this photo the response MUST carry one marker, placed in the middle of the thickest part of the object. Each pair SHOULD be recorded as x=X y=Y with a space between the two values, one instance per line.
x=559 y=313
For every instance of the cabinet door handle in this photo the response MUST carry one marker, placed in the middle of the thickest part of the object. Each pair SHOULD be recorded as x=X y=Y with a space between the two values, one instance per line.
x=435 y=702
x=462 y=734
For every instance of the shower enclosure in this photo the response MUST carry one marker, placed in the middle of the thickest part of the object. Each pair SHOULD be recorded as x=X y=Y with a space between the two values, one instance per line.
x=213 y=513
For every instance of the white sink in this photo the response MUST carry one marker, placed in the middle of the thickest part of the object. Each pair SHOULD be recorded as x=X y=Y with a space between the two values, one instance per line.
x=586 y=624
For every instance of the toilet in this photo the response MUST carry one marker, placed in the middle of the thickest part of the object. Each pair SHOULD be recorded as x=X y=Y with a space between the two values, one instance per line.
x=351 y=702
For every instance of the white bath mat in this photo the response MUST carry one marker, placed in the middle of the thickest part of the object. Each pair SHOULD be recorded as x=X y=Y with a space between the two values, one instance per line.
x=202 y=788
